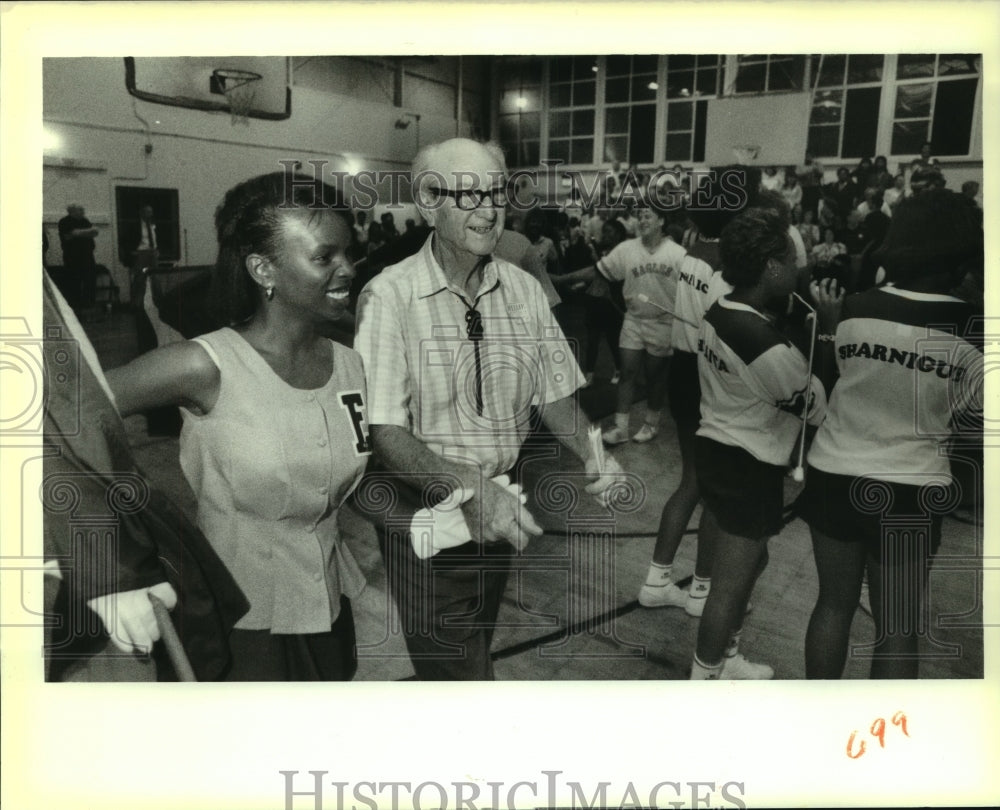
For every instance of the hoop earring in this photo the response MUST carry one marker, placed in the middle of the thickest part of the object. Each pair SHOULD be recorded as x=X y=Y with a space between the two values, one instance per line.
x=269 y=292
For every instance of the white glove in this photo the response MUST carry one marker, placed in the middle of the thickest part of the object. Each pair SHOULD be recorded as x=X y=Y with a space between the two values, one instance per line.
x=441 y=527
x=128 y=616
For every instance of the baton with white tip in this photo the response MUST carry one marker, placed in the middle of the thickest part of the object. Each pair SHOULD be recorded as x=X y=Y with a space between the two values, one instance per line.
x=646 y=300
x=798 y=474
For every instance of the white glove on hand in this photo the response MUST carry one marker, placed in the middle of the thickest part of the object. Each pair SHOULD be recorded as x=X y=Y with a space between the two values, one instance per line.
x=128 y=616
x=442 y=527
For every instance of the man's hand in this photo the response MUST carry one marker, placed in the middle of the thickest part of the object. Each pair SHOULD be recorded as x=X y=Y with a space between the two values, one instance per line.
x=500 y=510
x=128 y=616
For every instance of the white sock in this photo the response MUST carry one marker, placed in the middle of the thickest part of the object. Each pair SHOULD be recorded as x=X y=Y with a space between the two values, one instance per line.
x=653 y=418
x=621 y=421
x=700 y=586
x=658 y=574
x=705 y=672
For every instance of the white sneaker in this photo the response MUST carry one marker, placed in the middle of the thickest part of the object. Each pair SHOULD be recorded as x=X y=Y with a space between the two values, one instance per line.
x=737 y=668
x=615 y=378
x=646 y=433
x=694 y=604
x=614 y=436
x=665 y=595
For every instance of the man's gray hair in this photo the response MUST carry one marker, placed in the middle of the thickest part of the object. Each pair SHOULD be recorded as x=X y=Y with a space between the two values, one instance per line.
x=425 y=157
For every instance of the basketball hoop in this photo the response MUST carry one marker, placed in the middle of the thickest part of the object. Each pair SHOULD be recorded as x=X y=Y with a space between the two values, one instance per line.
x=746 y=153
x=240 y=89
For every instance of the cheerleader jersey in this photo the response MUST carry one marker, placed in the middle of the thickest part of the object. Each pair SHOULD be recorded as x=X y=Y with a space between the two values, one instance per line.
x=653 y=273
x=909 y=364
x=754 y=383
x=699 y=285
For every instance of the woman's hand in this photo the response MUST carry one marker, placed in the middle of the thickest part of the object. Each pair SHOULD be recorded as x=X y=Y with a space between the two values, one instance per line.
x=829 y=298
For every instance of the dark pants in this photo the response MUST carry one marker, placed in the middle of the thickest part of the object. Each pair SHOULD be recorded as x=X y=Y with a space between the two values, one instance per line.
x=604 y=320
x=447 y=604
x=81 y=282
x=260 y=655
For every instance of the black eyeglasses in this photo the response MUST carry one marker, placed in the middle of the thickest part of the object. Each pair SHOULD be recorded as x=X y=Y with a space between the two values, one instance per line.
x=469 y=199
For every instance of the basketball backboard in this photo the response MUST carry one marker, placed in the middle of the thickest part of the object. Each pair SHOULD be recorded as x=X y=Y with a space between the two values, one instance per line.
x=187 y=81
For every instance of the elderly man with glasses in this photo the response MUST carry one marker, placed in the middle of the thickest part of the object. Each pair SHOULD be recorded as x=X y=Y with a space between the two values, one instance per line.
x=459 y=348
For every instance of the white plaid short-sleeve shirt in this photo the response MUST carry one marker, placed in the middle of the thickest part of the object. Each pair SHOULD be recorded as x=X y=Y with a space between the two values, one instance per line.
x=421 y=365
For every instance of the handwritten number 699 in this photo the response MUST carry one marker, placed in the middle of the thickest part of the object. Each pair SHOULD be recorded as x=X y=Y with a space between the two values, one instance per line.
x=855 y=747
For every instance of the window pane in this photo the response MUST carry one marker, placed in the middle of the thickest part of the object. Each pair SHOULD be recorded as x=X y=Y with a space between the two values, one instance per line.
x=582 y=150
x=641 y=90
x=616 y=120
x=619 y=65
x=861 y=122
x=700 y=121
x=678 y=146
x=532 y=71
x=583 y=67
x=908 y=137
x=616 y=148
x=559 y=95
x=953 y=117
x=529 y=153
x=864 y=68
x=827 y=107
x=559 y=123
x=642 y=127
x=707 y=84
x=561 y=69
x=952 y=64
x=752 y=57
x=708 y=59
x=680 y=84
x=616 y=90
x=584 y=93
x=786 y=73
x=680 y=62
x=913 y=101
x=531 y=125
x=508 y=128
x=831 y=69
x=518 y=71
x=912 y=65
x=679 y=116
x=750 y=78
x=559 y=150
x=583 y=122
x=823 y=141
x=647 y=63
